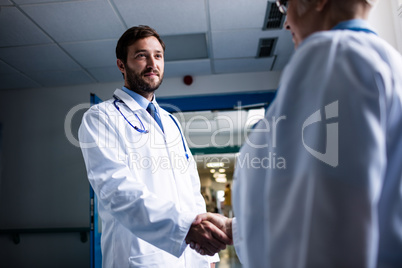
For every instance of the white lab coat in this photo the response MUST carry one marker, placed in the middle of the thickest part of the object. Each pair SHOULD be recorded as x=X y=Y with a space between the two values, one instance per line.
x=148 y=192
x=319 y=182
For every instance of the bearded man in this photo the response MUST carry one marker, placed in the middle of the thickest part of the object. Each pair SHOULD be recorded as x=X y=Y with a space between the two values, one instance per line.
x=142 y=171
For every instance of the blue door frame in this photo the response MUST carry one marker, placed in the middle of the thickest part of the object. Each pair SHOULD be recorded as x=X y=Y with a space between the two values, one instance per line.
x=217 y=102
x=95 y=232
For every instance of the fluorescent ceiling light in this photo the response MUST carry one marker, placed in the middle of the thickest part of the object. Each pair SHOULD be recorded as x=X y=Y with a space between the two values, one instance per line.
x=221 y=180
x=215 y=164
x=219 y=175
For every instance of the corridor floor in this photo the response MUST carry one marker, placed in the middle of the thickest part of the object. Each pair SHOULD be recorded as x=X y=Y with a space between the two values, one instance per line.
x=228 y=258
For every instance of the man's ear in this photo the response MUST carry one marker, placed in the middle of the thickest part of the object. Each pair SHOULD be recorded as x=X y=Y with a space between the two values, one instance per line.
x=121 y=66
x=320 y=5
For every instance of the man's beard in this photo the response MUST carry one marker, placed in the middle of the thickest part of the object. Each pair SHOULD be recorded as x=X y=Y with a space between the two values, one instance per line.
x=136 y=81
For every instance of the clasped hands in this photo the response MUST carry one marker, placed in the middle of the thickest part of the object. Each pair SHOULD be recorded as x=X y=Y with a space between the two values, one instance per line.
x=210 y=233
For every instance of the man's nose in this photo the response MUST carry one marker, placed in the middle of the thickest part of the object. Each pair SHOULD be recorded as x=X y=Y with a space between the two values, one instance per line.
x=151 y=63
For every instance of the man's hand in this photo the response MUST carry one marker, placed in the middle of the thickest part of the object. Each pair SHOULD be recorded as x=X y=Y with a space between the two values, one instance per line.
x=220 y=222
x=207 y=237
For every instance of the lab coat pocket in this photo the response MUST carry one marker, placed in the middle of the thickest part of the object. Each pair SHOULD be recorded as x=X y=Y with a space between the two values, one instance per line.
x=153 y=260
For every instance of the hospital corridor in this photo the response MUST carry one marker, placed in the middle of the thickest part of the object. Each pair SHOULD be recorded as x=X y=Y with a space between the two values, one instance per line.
x=228 y=258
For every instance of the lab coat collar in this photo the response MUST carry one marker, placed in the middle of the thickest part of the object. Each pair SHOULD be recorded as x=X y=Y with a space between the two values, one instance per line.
x=357 y=25
x=134 y=105
x=128 y=100
x=141 y=100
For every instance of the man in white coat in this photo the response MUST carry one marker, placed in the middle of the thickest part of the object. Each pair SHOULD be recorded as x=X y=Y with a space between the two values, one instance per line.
x=318 y=183
x=142 y=171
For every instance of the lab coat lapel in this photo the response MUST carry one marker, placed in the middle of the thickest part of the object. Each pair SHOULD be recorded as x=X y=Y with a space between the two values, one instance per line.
x=135 y=107
x=128 y=100
x=164 y=116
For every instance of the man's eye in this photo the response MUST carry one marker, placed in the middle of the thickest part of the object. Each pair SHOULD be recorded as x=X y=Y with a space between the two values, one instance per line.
x=140 y=56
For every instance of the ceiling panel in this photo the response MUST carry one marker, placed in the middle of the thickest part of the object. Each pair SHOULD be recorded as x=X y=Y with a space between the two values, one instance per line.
x=39 y=1
x=178 y=16
x=229 y=45
x=17 y=30
x=64 y=78
x=16 y=80
x=188 y=67
x=106 y=74
x=239 y=14
x=284 y=50
x=5 y=3
x=184 y=47
x=38 y=58
x=6 y=69
x=285 y=44
x=243 y=65
x=93 y=53
x=281 y=62
x=85 y=20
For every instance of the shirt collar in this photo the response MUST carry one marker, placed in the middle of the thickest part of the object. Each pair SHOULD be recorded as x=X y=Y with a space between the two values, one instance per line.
x=143 y=102
x=355 y=25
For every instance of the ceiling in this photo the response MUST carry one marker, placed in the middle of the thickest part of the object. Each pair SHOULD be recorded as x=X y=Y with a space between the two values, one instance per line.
x=50 y=43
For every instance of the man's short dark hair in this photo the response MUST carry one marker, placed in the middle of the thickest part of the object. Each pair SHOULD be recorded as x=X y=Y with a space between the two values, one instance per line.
x=132 y=35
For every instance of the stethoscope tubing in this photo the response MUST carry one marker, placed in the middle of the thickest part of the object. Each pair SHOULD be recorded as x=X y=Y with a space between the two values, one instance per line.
x=143 y=130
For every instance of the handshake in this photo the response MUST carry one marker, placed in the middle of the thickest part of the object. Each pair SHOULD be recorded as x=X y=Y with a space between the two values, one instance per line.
x=210 y=233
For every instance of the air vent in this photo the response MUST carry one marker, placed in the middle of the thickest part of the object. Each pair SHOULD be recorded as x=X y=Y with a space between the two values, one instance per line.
x=266 y=47
x=273 y=17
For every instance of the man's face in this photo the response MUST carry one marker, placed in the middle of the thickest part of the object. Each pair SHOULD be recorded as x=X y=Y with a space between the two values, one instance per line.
x=144 y=69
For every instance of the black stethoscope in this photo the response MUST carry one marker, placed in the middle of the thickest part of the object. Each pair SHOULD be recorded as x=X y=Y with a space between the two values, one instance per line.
x=142 y=129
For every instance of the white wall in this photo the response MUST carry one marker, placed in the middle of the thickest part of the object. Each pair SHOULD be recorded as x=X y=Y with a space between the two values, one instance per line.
x=384 y=19
x=43 y=184
x=396 y=6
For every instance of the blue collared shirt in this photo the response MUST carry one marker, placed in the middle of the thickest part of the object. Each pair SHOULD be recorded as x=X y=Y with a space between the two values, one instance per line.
x=143 y=102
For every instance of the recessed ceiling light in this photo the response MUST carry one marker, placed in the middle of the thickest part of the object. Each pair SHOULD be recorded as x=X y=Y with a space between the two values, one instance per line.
x=221 y=180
